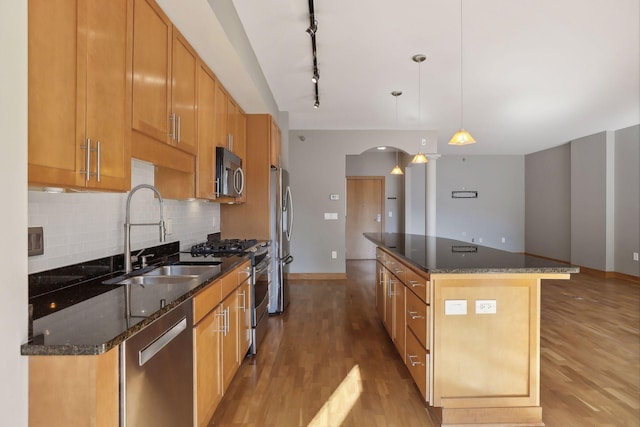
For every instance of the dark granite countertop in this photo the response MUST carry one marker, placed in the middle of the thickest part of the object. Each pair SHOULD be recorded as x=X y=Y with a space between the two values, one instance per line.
x=88 y=318
x=438 y=255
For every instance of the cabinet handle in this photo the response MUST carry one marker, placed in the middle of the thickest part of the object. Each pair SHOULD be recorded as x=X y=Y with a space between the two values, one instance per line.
x=217 y=194
x=413 y=363
x=414 y=284
x=223 y=327
x=243 y=307
x=398 y=270
x=389 y=288
x=230 y=141
x=414 y=315
x=98 y=160
x=381 y=281
x=172 y=126
x=87 y=160
x=226 y=322
x=179 y=129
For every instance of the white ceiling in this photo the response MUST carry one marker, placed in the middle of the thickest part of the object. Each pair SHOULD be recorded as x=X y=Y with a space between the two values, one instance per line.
x=537 y=73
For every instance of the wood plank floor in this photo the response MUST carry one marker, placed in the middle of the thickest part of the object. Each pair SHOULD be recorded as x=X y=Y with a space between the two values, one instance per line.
x=329 y=362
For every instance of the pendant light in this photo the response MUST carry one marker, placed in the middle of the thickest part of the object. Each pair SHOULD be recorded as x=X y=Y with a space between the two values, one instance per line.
x=462 y=137
x=396 y=169
x=420 y=157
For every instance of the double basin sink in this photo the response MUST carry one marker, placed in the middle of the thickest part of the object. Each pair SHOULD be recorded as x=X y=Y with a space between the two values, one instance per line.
x=173 y=274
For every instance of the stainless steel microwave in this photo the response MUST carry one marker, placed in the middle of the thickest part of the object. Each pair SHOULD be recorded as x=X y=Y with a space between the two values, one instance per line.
x=229 y=174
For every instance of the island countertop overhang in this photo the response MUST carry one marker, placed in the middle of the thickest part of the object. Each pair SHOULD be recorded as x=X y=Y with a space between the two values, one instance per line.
x=438 y=255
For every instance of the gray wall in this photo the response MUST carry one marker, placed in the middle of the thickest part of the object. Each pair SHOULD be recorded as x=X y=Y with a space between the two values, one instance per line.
x=583 y=201
x=627 y=200
x=376 y=163
x=415 y=199
x=317 y=169
x=497 y=212
x=589 y=201
x=547 y=203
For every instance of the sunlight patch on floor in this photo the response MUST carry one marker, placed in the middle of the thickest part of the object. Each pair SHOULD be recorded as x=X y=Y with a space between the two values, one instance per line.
x=338 y=406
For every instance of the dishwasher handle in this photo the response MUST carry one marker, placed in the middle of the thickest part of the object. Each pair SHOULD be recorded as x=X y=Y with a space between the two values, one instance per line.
x=161 y=342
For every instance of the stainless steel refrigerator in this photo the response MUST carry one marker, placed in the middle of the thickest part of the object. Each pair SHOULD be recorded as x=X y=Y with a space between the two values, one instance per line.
x=282 y=210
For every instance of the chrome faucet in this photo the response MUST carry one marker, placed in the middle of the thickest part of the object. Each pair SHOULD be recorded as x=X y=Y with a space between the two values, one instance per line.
x=127 y=225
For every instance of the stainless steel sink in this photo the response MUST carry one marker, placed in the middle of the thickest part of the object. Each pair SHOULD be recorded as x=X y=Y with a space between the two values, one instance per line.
x=156 y=280
x=182 y=270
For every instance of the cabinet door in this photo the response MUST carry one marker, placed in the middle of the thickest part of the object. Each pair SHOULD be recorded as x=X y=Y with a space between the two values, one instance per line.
x=183 y=94
x=206 y=375
x=230 y=361
x=206 y=161
x=381 y=279
x=54 y=156
x=244 y=316
x=79 y=81
x=275 y=144
x=108 y=27
x=151 y=70
x=392 y=285
x=222 y=134
x=399 y=325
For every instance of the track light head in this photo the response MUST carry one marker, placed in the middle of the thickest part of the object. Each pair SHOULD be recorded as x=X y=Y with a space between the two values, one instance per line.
x=316 y=105
x=312 y=28
x=315 y=77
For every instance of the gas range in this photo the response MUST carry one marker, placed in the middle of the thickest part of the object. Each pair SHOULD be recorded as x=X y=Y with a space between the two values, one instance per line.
x=222 y=248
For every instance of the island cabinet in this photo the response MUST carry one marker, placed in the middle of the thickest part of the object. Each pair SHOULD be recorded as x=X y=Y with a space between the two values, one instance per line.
x=219 y=332
x=76 y=390
x=164 y=91
x=471 y=325
x=79 y=76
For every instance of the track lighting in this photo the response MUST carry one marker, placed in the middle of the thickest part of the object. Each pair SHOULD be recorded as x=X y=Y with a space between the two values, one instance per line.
x=311 y=30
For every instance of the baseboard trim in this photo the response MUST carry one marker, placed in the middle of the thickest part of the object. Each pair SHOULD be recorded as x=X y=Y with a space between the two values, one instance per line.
x=316 y=276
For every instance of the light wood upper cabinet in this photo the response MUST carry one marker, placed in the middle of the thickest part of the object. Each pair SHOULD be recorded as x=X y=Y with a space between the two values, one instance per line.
x=275 y=144
x=221 y=120
x=164 y=87
x=183 y=94
x=151 y=71
x=79 y=91
x=206 y=159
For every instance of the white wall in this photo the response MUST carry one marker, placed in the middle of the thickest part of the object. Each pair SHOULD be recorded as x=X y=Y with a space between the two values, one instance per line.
x=13 y=245
x=317 y=169
x=84 y=226
x=497 y=212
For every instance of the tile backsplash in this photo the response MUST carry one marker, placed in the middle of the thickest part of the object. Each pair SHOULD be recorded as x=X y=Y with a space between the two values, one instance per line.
x=83 y=226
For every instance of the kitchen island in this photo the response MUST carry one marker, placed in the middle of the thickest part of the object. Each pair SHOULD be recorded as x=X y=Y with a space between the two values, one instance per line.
x=466 y=321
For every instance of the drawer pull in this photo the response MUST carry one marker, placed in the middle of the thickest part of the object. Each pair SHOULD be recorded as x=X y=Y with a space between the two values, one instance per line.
x=414 y=284
x=414 y=363
x=398 y=271
x=414 y=315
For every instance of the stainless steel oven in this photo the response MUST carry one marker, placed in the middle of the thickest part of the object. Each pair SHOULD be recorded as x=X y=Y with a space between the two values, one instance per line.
x=261 y=279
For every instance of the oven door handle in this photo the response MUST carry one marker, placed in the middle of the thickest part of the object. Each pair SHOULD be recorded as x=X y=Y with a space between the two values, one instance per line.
x=287 y=260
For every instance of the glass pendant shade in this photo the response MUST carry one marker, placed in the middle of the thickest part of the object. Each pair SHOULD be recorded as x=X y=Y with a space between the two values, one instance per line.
x=396 y=170
x=462 y=137
x=419 y=158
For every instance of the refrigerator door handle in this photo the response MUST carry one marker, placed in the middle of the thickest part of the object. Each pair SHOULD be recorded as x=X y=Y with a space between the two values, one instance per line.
x=289 y=205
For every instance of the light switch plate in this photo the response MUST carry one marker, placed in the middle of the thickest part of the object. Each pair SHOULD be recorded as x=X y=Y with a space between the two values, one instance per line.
x=35 y=241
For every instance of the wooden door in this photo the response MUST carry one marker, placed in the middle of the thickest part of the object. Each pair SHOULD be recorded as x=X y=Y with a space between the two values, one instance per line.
x=184 y=93
x=151 y=70
x=109 y=30
x=205 y=165
x=230 y=361
x=221 y=136
x=207 y=366
x=365 y=214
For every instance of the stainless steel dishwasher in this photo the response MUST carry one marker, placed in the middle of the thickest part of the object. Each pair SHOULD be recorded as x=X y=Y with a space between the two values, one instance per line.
x=157 y=372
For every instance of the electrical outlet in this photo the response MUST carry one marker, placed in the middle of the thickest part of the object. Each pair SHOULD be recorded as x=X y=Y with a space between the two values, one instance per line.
x=334 y=254
x=169 y=224
x=503 y=240
x=479 y=239
x=464 y=233
x=390 y=214
x=635 y=256
x=486 y=306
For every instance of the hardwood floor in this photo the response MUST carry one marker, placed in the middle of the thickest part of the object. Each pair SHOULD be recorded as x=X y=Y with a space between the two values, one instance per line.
x=329 y=362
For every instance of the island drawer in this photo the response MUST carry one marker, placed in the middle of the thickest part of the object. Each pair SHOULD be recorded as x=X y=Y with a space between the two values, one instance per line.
x=206 y=300
x=417 y=318
x=397 y=269
x=417 y=361
x=418 y=284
